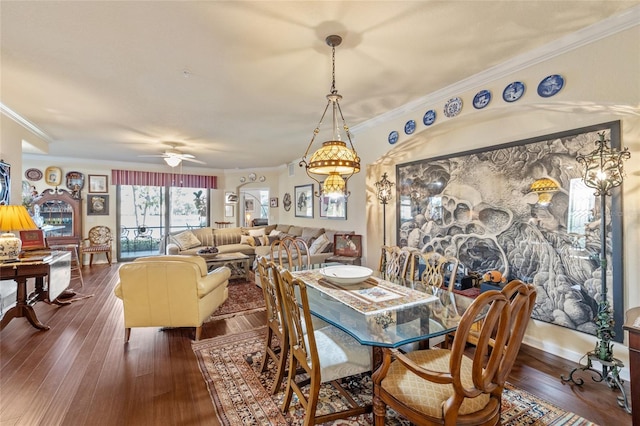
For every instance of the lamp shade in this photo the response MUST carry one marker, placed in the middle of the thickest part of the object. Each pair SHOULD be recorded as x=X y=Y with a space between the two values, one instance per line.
x=13 y=218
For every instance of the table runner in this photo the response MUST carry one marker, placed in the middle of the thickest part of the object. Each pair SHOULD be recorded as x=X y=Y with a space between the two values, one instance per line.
x=371 y=296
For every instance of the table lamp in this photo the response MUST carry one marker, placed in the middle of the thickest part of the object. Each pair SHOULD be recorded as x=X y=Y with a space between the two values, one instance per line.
x=13 y=218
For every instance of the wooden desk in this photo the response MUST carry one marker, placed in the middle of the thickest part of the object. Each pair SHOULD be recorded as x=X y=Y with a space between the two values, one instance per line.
x=56 y=268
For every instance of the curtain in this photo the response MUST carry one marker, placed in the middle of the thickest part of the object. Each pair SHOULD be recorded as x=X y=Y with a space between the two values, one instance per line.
x=131 y=177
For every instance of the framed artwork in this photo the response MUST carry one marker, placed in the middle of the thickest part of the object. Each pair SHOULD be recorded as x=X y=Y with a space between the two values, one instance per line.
x=75 y=181
x=273 y=202
x=303 y=201
x=333 y=208
x=228 y=210
x=487 y=208
x=248 y=205
x=98 y=205
x=32 y=240
x=349 y=245
x=5 y=183
x=53 y=176
x=230 y=197
x=98 y=184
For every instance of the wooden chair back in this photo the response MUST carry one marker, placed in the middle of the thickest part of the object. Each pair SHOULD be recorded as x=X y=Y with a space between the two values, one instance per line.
x=291 y=253
x=440 y=270
x=276 y=326
x=394 y=262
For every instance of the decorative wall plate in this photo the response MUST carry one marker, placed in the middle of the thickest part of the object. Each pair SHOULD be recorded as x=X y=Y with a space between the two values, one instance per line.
x=393 y=137
x=243 y=179
x=33 y=174
x=286 y=201
x=550 y=85
x=410 y=127
x=429 y=117
x=513 y=91
x=453 y=107
x=252 y=177
x=53 y=176
x=481 y=99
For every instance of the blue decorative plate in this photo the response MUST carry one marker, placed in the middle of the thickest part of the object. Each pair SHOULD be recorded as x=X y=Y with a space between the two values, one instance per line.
x=513 y=91
x=393 y=137
x=410 y=127
x=453 y=107
x=429 y=117
x=481 y=99
x=550 y=85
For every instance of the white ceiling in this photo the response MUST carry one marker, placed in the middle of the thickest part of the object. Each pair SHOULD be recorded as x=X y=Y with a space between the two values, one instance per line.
x=243 y=84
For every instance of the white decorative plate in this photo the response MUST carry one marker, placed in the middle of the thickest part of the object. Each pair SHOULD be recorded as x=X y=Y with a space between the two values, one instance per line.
x=346 y=274
x=410 y=127
x=550 y=85
x=453 y=107
x=481 y=99
x=513 y=91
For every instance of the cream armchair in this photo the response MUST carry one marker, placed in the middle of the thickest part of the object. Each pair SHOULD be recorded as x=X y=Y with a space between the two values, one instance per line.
x=170 y=291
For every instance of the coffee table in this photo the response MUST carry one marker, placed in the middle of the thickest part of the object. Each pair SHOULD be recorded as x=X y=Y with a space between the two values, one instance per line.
x=237 y=262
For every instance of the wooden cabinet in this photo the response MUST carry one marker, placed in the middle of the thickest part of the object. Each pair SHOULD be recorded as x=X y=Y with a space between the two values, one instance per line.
x=61 y=214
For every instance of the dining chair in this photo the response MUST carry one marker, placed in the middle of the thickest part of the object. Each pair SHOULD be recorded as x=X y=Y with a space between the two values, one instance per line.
x=445 y=387
x=291 y=253
x=275 y=323
x=440 y=270
x=394 y=261
x=99 y=241
x=325 y=354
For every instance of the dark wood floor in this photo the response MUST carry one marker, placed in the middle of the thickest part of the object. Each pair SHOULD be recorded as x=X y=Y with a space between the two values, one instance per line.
x=81 y=373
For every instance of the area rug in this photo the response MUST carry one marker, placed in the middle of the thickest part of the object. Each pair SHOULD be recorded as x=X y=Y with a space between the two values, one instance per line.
x=244 y=298
x=230 y=367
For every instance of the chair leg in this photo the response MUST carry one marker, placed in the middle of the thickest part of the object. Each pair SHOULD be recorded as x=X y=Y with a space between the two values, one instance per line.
x=379 y=411
x=91 y=260
x=127 y=334
x=198 y=332
x=108 y=257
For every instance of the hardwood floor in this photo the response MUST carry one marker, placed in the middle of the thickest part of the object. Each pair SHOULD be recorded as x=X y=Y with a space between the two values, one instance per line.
x=81 y=373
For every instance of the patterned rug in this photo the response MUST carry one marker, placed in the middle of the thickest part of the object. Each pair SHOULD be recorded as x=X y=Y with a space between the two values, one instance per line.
x=230 y=367
x=244 y=298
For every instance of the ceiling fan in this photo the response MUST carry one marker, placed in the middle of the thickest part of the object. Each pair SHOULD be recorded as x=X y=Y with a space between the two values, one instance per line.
x=173 y=157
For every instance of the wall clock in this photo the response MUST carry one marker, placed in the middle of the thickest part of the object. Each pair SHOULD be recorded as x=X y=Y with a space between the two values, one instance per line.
x=286 y=202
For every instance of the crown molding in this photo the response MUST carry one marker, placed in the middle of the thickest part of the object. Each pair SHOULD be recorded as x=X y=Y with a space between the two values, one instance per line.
x=24 y=122
x=601 y=29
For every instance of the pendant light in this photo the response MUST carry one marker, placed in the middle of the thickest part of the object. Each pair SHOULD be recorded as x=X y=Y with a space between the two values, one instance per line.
x=334 y=161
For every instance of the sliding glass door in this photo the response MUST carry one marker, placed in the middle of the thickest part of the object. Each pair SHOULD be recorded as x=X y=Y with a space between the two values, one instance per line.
x=146 y=214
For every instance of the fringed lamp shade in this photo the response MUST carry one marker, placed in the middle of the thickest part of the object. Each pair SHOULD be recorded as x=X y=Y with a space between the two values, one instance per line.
x=13 y=218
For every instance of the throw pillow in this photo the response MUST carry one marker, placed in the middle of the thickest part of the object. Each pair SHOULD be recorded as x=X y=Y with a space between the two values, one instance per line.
x=256 y=232
x=274 y=233
x=248 y=239
x=186 y=240
x=319 y=244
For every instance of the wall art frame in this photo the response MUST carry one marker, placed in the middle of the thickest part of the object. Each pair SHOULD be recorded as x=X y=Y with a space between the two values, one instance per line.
x=5 y=183
x=333 y=208
x=98 y=205
x=273 y=202
x=480 y=207
x=303 y=201
x=229 y=210
x=99 y=184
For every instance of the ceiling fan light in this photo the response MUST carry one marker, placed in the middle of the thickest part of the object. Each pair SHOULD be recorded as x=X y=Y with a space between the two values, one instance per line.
x=172 y=161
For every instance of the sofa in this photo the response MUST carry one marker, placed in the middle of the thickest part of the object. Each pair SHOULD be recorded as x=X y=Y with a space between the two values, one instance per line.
x=252 y=241
x=170 y=291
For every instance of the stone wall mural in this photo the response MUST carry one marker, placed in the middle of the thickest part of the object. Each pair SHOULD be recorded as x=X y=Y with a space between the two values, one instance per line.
x=520 y=208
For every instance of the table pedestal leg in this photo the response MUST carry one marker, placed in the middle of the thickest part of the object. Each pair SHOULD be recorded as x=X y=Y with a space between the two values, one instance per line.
x=22 y=309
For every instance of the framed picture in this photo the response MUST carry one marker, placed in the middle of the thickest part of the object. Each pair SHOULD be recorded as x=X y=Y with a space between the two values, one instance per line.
x=303 y=201
x=228 y=210
x=230 y=197
x=98 y=205
x=98 y=184
x=53 y=176
x=75 y=181
x=5 y=183
x=349 y=245
x=333 y=208
x=32 y=240
x=273 y=202
x=248 y=205
x=522 y=208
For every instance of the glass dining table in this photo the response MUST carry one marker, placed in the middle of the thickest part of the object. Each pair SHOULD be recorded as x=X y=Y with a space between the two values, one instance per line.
x=384 y=313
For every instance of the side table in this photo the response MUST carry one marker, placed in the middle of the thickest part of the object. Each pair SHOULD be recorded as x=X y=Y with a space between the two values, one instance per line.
x=345 y=260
